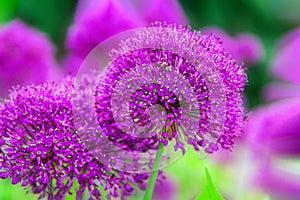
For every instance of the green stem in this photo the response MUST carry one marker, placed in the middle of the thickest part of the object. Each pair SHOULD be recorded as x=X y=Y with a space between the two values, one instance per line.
x=51 y=187
x=154 y=173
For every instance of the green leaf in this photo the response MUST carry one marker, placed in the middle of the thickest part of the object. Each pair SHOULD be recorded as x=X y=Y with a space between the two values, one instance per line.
x=209 y=191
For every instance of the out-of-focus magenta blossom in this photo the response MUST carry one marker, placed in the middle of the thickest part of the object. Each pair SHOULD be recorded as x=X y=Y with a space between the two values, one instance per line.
x=280 y=184
x=97 y=20
x=245 y=47
x=165 y=190
x=274 y=133
x=161 y=10
x=72 y=62
x=288 y=38
x=26 y=56
x=94 y=22
x=280 y=90
x=275 y=129
x=286 y=67
x=286 y=63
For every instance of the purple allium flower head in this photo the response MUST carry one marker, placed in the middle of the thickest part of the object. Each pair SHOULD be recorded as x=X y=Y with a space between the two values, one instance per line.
x=245 y=47
x=170 y=83
x=41 y=149
x=26 y=56
x=94 y=22
x=36 y=128
x=161 y=10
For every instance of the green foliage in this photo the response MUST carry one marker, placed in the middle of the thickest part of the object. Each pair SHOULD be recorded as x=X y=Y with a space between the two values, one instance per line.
x=209 y=191
x=50 y=16
x=7 y=9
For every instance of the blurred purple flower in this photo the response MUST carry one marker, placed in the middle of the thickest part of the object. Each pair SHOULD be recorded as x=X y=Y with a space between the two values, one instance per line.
x=26 y=56
x=94 y=22
x=161 y=10
x=274 y=132
x=165 y=190
x=275 y=129
x=245 y=47
x=279 y=183
x=41 y=149
x=72 y=63
x=280 y=90
x=165 y=89
x=286 y=67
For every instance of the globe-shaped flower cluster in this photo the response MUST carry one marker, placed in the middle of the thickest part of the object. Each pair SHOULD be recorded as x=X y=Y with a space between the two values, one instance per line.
x=168 y=82
x=41 y=149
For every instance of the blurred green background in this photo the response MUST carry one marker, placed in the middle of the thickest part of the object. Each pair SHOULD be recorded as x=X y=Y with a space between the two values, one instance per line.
x=266 y=19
